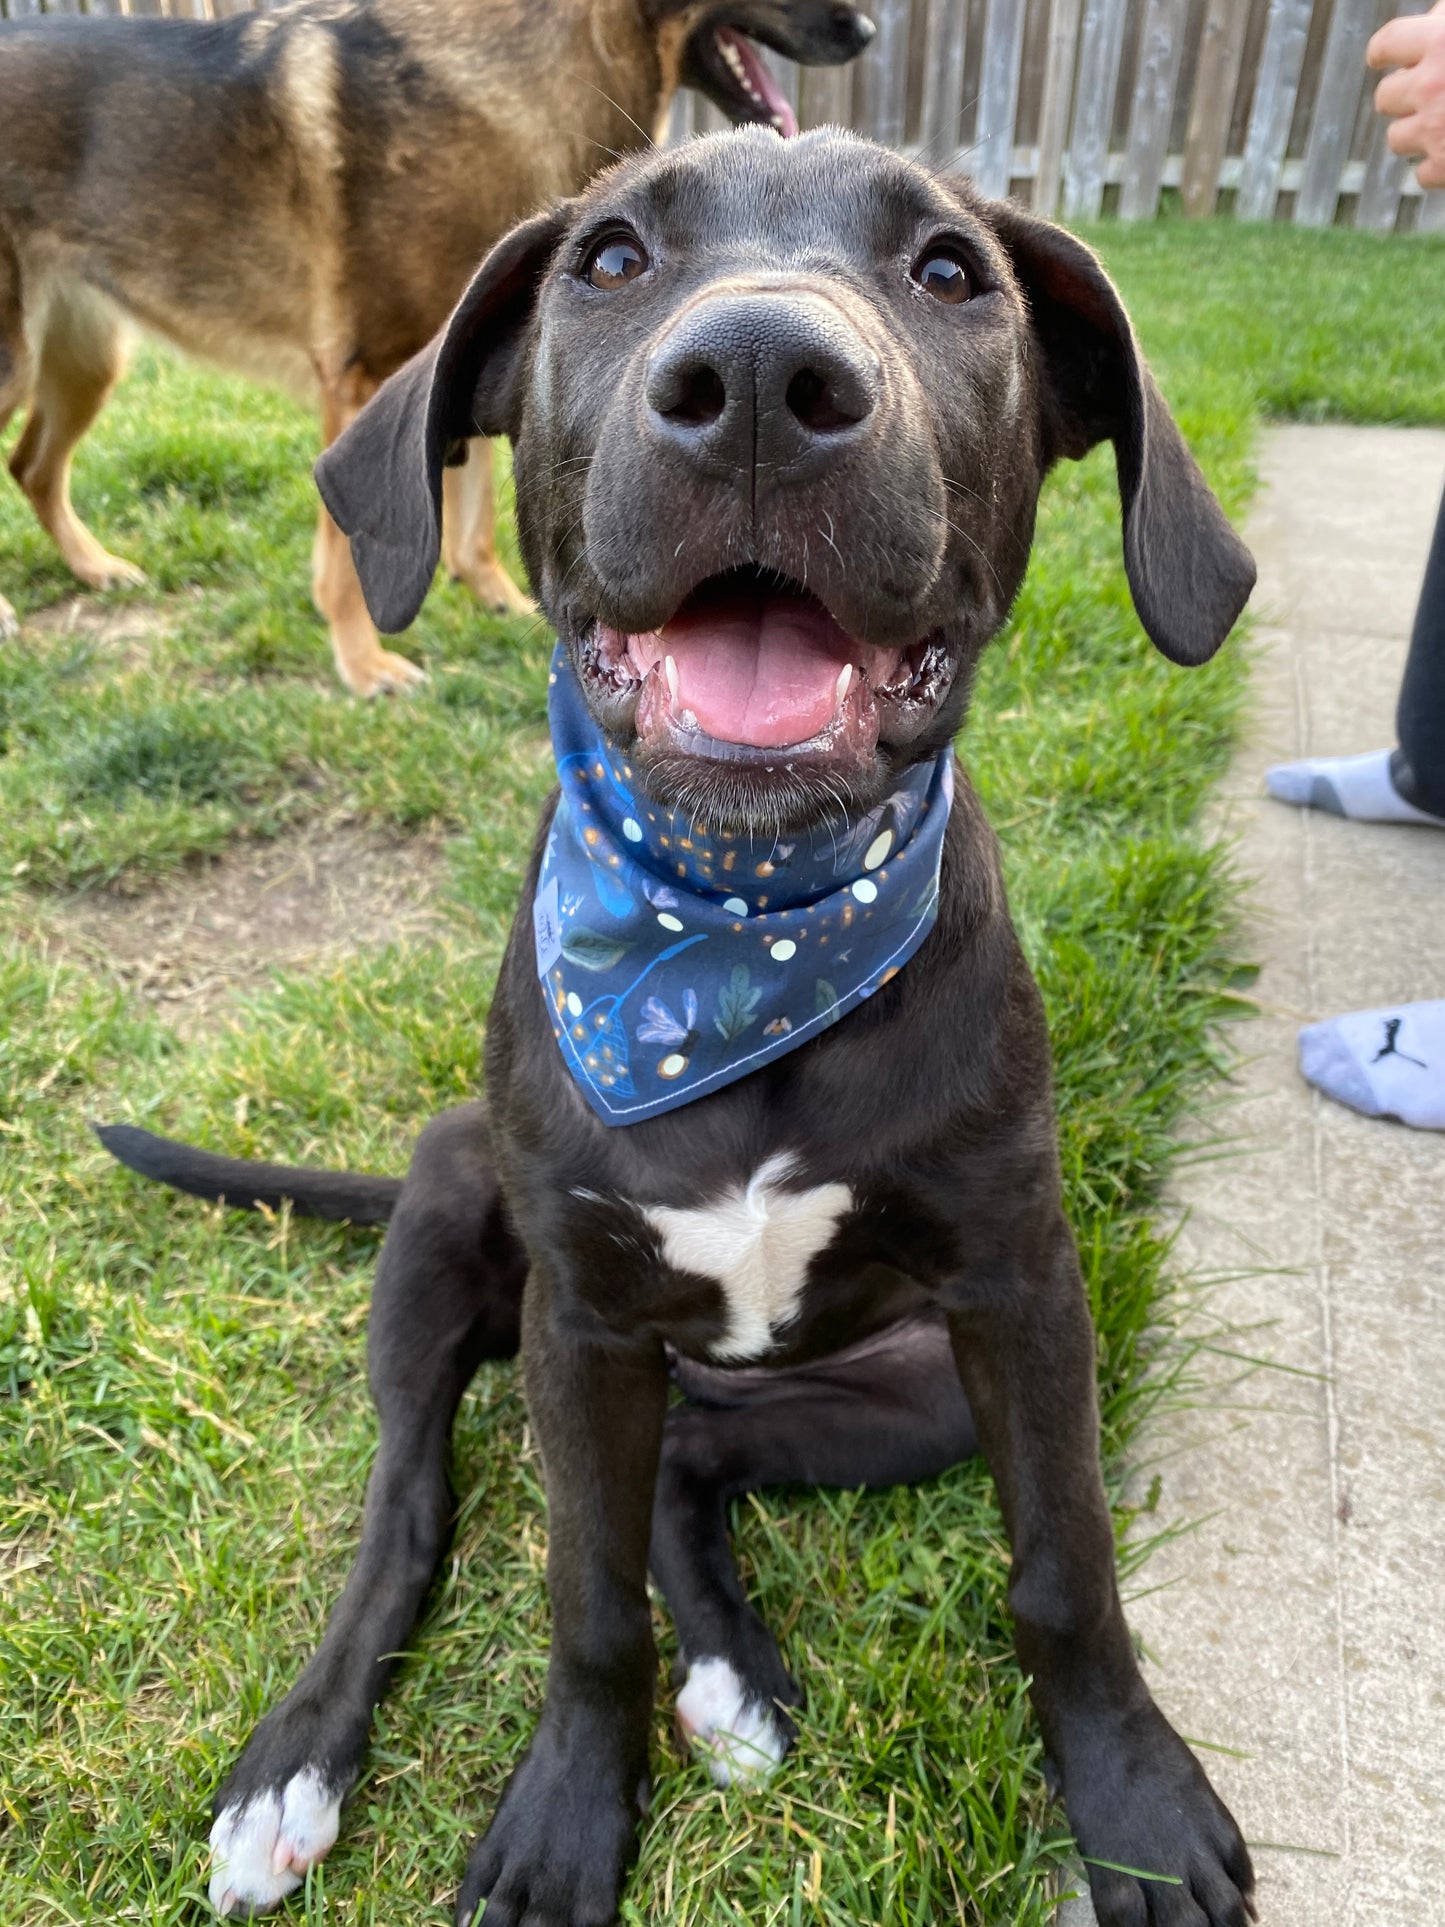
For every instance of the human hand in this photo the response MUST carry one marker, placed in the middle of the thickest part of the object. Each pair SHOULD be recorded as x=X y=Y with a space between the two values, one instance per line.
x=1414 y=94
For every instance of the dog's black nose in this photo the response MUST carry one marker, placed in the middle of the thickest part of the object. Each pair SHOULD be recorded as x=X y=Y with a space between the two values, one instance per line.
x=771 y=381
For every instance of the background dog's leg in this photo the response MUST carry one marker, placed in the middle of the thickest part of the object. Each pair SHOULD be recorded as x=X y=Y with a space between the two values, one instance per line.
x=566 y=1827
x=448 y=1294
x=889 y=1413
x=1136 y=1796
x=469 y=534
x=364 y=666
x=15 y=369
x=79 y=359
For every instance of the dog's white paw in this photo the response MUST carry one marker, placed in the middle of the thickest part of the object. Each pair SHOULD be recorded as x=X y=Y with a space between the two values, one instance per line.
x=262 y=1848
x=739 y=1737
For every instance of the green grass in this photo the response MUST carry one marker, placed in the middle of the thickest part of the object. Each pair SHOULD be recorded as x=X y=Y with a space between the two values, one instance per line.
x=184 y=1428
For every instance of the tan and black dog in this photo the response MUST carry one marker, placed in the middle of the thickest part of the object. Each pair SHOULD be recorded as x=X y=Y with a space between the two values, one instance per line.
x=302 y=195
x=780 y=414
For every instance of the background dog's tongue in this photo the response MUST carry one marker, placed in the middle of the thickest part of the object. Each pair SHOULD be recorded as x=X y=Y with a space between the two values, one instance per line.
x=761 y=80
x=761 y=672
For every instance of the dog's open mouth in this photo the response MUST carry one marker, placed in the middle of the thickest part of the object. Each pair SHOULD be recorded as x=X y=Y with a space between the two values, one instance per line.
x=751 y=667
x=759 y=97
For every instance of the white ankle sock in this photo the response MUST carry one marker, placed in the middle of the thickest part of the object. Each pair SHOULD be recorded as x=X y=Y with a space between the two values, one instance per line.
x=1386 y=1063
x=1357 y=786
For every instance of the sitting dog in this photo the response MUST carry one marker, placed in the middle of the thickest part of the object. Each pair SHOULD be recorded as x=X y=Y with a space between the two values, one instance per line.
x=768 y=1083
x=303 y=194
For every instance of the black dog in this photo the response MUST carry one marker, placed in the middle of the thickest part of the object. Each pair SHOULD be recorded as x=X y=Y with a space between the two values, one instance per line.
x=727 y=370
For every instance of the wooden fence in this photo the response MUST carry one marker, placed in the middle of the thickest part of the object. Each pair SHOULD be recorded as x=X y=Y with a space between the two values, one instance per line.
x=1256 y=108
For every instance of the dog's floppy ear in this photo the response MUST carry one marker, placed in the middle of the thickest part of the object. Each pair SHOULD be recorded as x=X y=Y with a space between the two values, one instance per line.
x=1189 y=573
x=382 y=478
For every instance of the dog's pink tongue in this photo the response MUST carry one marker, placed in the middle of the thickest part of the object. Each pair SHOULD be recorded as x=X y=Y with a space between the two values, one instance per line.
x=755 y=671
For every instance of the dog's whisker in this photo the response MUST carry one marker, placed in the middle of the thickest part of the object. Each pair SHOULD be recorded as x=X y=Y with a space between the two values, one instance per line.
x=647 y=139
x=947 y=133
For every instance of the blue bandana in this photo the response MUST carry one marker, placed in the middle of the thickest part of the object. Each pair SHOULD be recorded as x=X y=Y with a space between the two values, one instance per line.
x=675 y=960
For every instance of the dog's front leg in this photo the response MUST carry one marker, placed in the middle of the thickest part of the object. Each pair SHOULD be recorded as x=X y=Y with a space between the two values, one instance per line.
x=1137 y=1798
x=469 y=534
x=566 y=1828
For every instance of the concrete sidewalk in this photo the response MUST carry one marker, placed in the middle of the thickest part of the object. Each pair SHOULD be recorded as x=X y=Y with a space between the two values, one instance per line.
x=1303 y=1622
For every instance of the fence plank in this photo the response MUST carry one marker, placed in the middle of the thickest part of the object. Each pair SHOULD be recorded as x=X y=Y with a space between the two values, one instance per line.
x=1336 y=106
x=1161 y=48
x=1101 y=41
x=1273 y=110
x=1221 y=49
x=998 y=95
x=679 y=117
x=944 y=47
x=1385 y=172
x=825 y=96
x=1054 y=107
x=881 y=95
x=1432 y=213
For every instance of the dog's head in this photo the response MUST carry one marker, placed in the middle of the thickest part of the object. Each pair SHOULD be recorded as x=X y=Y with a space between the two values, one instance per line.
x=781 y=411
x=715 y=54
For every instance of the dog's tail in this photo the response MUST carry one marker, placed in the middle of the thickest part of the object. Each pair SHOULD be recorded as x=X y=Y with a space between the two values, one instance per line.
x=354 y=1197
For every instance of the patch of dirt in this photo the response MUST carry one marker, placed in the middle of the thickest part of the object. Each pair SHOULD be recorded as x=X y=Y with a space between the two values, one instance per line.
x=126 y=630
x=301 y=901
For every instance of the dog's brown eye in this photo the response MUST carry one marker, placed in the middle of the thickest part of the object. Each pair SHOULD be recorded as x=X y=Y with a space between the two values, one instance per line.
x=613 y=262
x=944 y=277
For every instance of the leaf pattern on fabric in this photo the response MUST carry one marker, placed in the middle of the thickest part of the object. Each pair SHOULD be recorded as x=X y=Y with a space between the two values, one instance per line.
x=737 y=1004
x=591 y=950
x=613 y=894
x=826 y=1000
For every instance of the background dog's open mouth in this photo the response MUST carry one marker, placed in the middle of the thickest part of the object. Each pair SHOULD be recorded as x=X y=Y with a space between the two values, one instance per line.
x=752 y=664
x=757 y=88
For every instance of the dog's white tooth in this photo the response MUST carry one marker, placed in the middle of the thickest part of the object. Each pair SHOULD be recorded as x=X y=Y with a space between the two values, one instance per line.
x=670 y=671
x=845 y=678
x=739 y=72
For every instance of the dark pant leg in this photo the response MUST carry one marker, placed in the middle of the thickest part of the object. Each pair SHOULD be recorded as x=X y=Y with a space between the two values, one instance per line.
x=1420 y=717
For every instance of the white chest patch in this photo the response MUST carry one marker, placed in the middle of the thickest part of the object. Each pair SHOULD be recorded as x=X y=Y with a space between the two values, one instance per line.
x=757 y=1241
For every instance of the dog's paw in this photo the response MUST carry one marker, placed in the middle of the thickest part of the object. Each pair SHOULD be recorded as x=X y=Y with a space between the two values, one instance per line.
x=560 y=1845
x=1158 y=1842
x=384 y=674
x=106 y=571
x=264 y=1844
x=495 y=590
x=743 y=1739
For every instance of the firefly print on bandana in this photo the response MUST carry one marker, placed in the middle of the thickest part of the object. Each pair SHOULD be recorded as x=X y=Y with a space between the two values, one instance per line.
x=676 y=959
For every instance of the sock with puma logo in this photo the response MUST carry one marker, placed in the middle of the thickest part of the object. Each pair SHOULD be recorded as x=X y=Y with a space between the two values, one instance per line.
x=1386 y=1063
